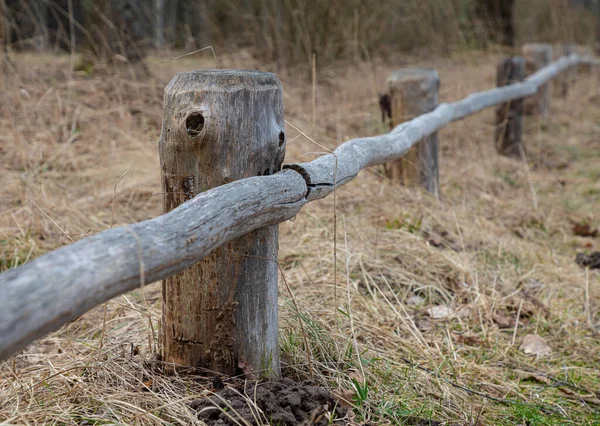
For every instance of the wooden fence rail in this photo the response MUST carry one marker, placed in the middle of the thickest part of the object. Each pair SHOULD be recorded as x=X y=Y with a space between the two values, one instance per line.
x=57 y=287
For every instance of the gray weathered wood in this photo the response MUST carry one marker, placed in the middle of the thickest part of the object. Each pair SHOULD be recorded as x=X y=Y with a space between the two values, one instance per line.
x=357 y=154
x=412 y=92
x=49 y=291
x=538 y=56
x=508 y=136
x=569 y=76
x=333 y=170
x=57 y=287
x=584 y=51
x=218 y=127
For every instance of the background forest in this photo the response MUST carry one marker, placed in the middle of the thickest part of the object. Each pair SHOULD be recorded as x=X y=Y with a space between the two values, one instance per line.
x=289 y=31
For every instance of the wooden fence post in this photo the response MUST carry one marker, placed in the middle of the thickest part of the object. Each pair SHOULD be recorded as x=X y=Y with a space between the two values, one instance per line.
x=538 y=56
x=412 y=92
x=569 y=76
x=584 y=68
x=220 y=126
x=509 y=116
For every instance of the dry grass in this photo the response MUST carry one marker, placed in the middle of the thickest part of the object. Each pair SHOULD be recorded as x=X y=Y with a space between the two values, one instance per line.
x=64 y=144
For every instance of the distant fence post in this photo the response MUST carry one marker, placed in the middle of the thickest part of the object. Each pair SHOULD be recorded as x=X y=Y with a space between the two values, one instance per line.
x=569 y=76
x=538 y=56
x=412 y=92
x=509 y=116
x=585 y=68
x=220 y=126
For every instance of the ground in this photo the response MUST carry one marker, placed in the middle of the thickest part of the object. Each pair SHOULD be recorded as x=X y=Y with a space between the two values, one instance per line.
x=415 y=310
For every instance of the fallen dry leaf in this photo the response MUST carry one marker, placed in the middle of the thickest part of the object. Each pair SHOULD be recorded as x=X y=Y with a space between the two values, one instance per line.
x=423 y=324
x=468 y=338
x=583 y=229
x=145 y=386
x=246 y=368
x=526 y=375
x=354 y=374
x=503 y=321
x=464 y=312
x=440 y=311
x=344 y=396
x=415 y=300
x=536 y=302
x=534 y=345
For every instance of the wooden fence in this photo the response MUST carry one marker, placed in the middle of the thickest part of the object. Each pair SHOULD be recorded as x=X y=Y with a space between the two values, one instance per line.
x=55 y=288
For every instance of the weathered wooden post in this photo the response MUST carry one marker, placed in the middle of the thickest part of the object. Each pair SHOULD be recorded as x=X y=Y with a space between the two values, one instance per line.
x=220 y=126
x=571 y=74
x=509 y=116
x=538 y=56
x=587 y=51
x=412 y=92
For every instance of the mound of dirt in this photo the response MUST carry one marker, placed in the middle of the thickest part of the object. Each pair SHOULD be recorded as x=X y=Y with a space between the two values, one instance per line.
x=591 y=261
x=282 y=402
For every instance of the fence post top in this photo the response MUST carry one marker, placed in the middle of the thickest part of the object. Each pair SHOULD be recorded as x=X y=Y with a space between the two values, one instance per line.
x=538 y=49
x=515 y=59
x=427 y=79
x=223 y=81
x=537 y=46
x=414 y=73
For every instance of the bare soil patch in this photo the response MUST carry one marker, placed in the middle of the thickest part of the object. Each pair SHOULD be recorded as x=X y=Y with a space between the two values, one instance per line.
x=282 y=402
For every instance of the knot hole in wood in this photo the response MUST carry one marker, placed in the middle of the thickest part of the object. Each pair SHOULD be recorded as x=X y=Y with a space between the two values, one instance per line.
x=194 y=123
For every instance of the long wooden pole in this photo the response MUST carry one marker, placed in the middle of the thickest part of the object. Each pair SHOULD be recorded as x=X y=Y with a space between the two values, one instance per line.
x=219 y=127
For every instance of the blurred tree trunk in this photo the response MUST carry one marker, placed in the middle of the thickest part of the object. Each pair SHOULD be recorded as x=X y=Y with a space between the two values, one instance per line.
x=498 y=17
x=120 y=28
x=59 y=20
x=4 y=23
x=172 y=21
x=100 y=19
x=159 y=23
x=169 y=17
x=40 y=10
